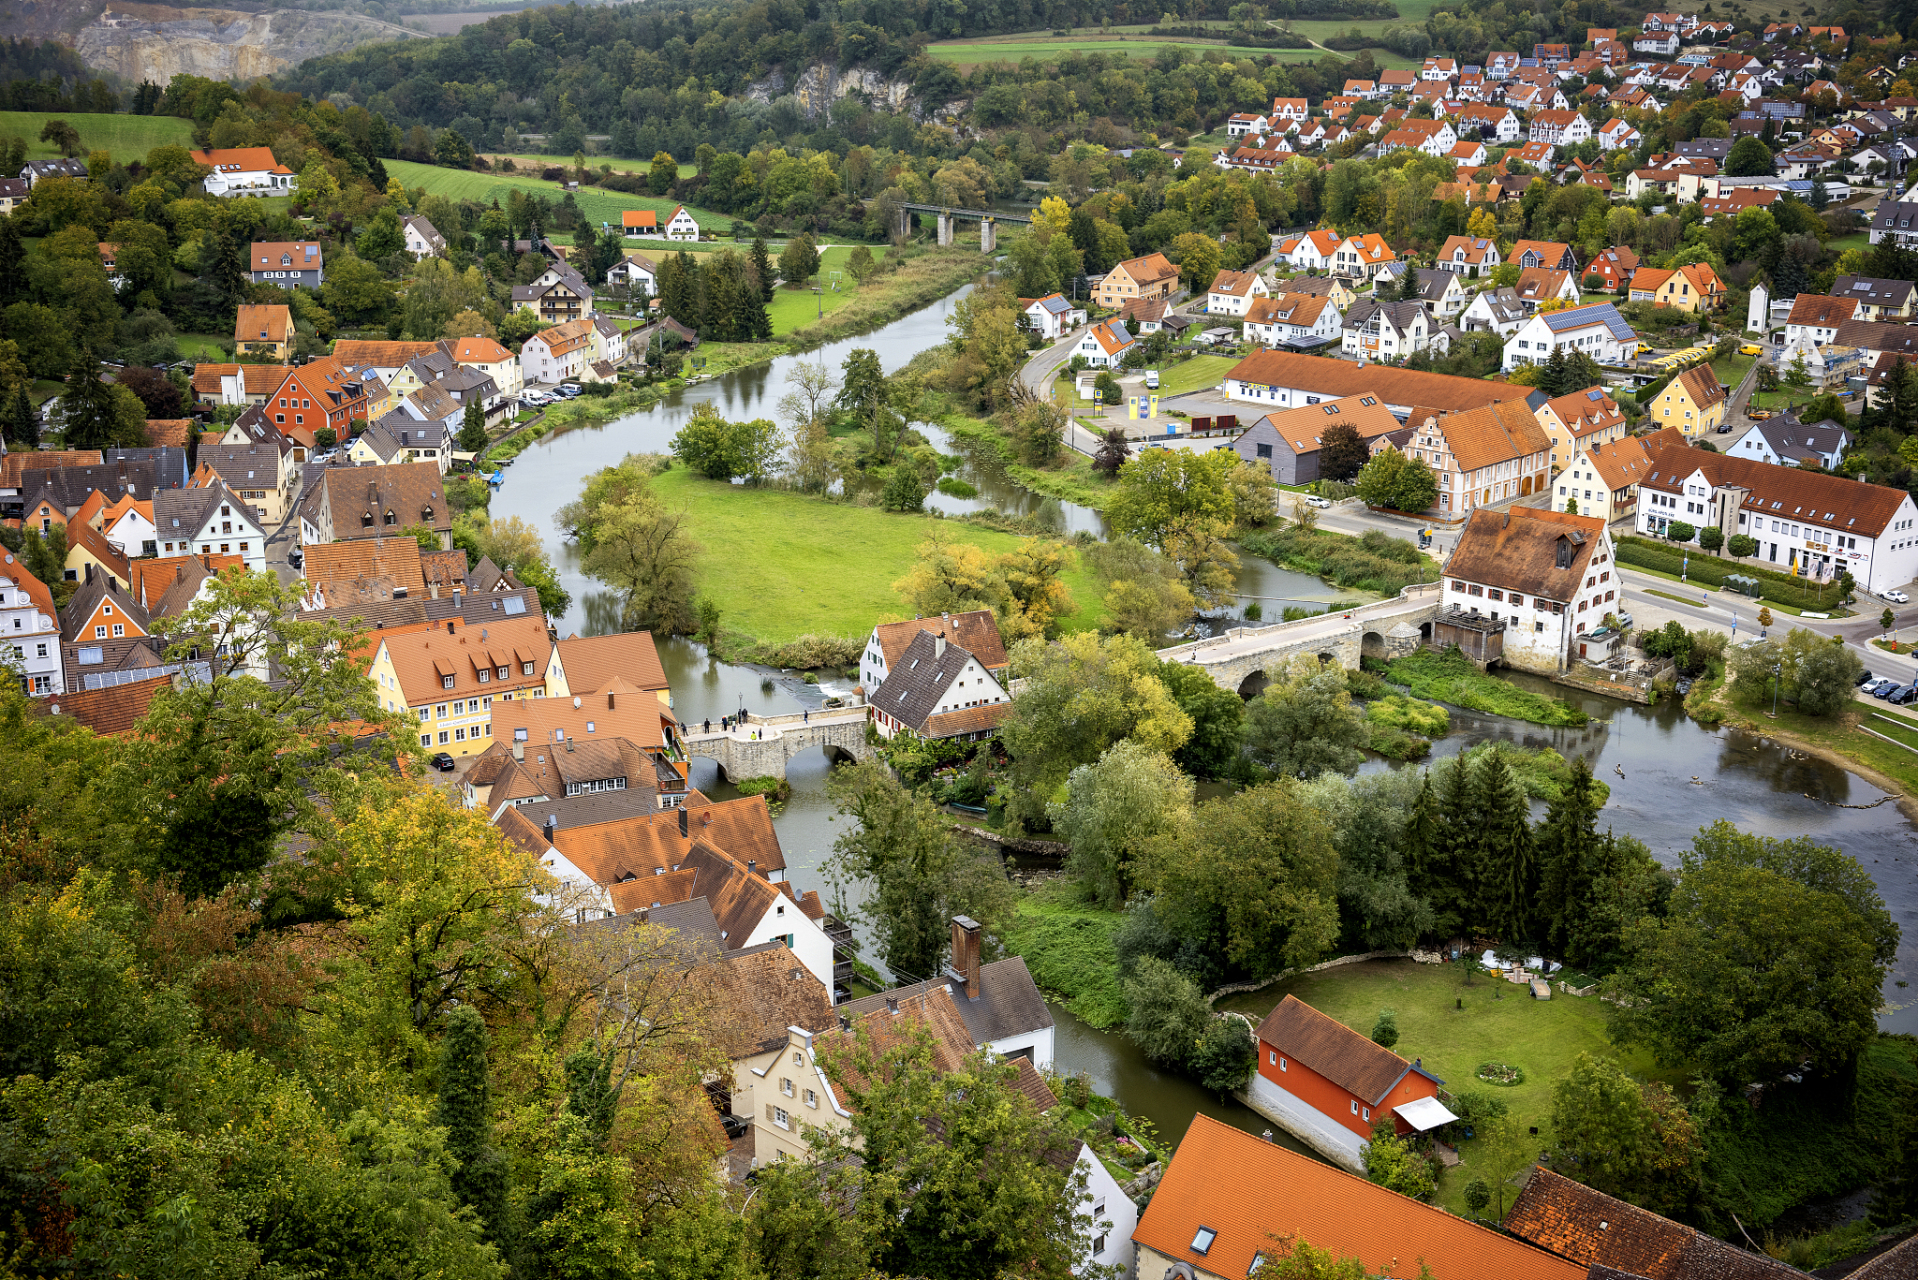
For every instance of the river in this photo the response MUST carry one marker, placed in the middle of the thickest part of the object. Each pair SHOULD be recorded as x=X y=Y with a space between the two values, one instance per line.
x=1758 y=785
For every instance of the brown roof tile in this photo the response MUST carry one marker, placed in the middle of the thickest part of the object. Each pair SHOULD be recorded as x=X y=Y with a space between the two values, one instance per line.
x=384 y=355
x=14 y=467
x=976 y=632
x=1620 y=463
x=1332 y=1049
x=1702 y=385
x=1821 y=311
x=363 y=571
x=1593 y=1229
x=1519 y=549
x=153 y=578
x=641 y=847
x=109 y=712
x=446 y=569
x=1849 y=506
x=422 y=659
x=257 y=379
x=758 y=993
x=263 y=322
x=169 y=431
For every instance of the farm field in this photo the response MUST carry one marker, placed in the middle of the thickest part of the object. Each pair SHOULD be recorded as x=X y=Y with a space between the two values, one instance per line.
x=1013 y=48
x=775 y=560
x=126 y=137
x=1455 y=1029
x=599 y=206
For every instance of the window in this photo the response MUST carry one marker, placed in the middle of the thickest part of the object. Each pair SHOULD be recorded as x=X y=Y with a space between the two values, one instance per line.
x=443 y=737
x=526 y=668
x=786 y=1086
x=781 y=1119
x=812 y=1099
x=1282 y=1064
x=1355 y=1107
x=426 y=739
x=119 y=629
x=99 y=633
x=446 y=682
x=1365 y=1113
x=1202 y=1240
x=1272 y=1057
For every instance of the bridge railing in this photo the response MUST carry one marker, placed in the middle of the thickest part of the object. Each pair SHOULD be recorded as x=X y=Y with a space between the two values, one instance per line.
x=1411 y=593
x=854 y=709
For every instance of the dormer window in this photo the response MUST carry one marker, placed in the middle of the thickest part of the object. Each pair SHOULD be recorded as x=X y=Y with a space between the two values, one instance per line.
x=391 y=518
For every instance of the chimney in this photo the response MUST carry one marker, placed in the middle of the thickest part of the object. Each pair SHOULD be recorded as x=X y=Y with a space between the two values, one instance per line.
x=752 y=866
x=939 y=646
x=965 y=955
x=519 y=752
x=892 y=1003
x=610 y=704
x=569 y=744
x=552 y=827
x=682 y=822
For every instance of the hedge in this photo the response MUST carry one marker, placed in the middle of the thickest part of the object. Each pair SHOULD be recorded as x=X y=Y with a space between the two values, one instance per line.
x=1710 y=570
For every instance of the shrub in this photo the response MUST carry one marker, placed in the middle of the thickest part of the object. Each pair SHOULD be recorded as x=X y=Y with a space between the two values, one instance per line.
x=1391 y=1162
x=1374 y=562
x=1385 y=1031
x=953 y=487
x=1742 y=545
x=1225 y=1055
x=1647 y=554
x=1679 y=531
x=1169 y=1013
x=1427 y=719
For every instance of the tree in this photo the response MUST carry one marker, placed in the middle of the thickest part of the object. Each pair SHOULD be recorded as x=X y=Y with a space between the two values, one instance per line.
x=63 y=136
x=1082 y=695
x=917 y=874
x=228 y=763
x=763 y=268
x=1250 y=882
x=379 y=239
x=99 y=416
x=904 y=490
x=1342 y=452
x=1711 y=537
x=799 y=260
x=1397 y=482
x=1036 y=597
x=1385 y=1031
x=1217 y=717
x=1749 y=158
x=1144 y=596
x=1742 y=545
x=1198 y=257
x=1391 y=1162
x=1624 y=1138
x=942 y=1172
x=1769 y=963
x=1679 y=531
x=22 y=420
x=473 y=427
x=662 y=174
x=645 y=550
x=860 y=263
x=1168 y=1012
x=1225 y=1056
x=1304 y=723
x=158 y=396
x=1165 y=486
x=1115 y=810
x=465 y=1109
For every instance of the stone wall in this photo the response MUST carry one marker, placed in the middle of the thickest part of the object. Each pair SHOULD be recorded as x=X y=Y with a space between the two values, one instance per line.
x=760 y=748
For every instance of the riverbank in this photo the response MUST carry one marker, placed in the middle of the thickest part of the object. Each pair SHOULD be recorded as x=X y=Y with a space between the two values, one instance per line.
x=1451 y=677
x=1072 y=479
x=1374 y=561
x=1837 y=740
x=783 y=565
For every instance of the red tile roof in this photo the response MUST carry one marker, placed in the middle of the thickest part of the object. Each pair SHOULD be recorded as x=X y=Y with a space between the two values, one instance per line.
x=1334 y=1050
x=1250 y=1191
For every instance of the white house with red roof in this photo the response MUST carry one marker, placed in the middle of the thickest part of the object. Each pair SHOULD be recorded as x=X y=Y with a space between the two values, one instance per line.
x=682 y=225
x=1468 y=255
x=244 y=171
x=1289 y=111
x=1312 y=251
x=1104 y=345
x=1616 y=135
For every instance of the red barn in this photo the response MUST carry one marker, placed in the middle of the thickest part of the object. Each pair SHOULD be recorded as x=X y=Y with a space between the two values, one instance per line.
x=1328 y=1085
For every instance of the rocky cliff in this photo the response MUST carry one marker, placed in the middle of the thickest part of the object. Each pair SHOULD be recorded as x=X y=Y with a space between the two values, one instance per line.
x=821 y=85
x=157 y=42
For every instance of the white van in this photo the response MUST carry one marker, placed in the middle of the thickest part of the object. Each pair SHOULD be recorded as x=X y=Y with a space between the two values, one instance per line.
x=1151 y=379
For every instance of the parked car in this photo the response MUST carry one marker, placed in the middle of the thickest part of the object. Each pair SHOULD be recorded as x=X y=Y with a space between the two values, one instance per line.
x=569 y=388
x=1897 y=597
x=1886 y=689
x=1320 y=503
x=443 y=762
x=1864 y=677
x=1151 y=379
x=1624 y=620
x=1904 y=695
x=1751 y=349
x=1758 y=415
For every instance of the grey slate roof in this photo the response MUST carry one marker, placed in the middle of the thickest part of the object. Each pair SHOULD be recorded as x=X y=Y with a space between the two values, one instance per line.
x=1880 y=293
x=472 y=610
x=914 y=685
x=244 y=466
x=1008 y=1003
x=186 y=511
x=87 y=598
x=170 y=461
x=1397 y=314
x=1900 y=216
x=70 y=485
x=1795 y=440
x=639 y=799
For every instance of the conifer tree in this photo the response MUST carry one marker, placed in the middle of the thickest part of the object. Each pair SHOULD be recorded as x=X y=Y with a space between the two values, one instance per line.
x=1450 y=883
x=720 y=312
x=22 y=422
x=88 y=406
x=763 y=268
x=13 y=263
x=1566 y=843
x=1507 y=860
x=473 y=427
x=466 y=1111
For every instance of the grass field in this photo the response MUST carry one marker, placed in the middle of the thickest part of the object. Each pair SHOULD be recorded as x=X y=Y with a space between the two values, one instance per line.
x=598 y=205
x=777 y=562
x=203 y=346
x=795 y=308
x=593 y=162
x=1037 y=44
x=1499 y=1022
x=1067 y=944
x=1195 y=374
x=126 y=137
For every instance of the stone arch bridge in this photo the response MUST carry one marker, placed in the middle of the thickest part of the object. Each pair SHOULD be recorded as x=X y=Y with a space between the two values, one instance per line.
x=761 y=747
x=1390 y=628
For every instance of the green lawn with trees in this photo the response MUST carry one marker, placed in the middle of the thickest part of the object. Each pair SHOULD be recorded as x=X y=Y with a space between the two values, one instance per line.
x=126 y=137
x=599 y=206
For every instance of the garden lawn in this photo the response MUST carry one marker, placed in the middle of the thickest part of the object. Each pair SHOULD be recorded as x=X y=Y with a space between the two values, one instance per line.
x=1837 y=733
x=1499 y=1022
x=1195 y=374
x=128 y=138
x=1733 y=368
x=599 y=206
x=204 y=346
x=781 y=564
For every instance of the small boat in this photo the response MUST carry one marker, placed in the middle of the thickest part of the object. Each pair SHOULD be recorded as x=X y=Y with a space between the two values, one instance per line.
x=497 y=478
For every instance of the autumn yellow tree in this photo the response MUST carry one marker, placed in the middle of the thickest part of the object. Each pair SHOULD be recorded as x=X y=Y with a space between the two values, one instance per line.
x=1482 y=224
x=949 y=576
x=1035 y=599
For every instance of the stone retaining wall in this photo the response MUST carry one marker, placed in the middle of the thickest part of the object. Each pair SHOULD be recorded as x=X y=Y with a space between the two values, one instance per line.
x=1237 y=988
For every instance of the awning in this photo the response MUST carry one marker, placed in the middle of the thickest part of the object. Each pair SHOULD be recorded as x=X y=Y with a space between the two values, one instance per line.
x=1424 y=1114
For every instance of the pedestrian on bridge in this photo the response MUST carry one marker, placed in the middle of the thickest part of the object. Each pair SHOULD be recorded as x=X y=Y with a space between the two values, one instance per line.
x=709 y=724
x=805 y=716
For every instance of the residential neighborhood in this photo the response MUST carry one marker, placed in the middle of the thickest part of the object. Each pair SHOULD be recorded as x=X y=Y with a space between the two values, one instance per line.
x=786 y=641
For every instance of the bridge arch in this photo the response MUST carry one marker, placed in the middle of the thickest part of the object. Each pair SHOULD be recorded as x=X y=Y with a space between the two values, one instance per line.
x=1372 y=645
x=1254 y=685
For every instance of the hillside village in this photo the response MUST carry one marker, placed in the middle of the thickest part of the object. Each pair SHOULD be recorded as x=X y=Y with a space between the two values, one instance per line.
x=369 y=902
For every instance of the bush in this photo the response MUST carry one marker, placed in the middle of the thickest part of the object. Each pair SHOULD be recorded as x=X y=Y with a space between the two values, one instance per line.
x=1451 y=677
x=1391 y=1162
x=1225 y=1055
x=953 y=487
x=1374 y=562
x=1385 y=1031
x=1476 y=1106
x=1679 y=531
x=1427 y=719
x=1169 y=1013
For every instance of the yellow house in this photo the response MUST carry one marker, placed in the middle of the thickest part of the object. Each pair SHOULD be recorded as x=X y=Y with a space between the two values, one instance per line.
x=264 y=330
x=1693 y=402
x=1687 y=288
x=1148 y=277
x=1578 y=421
x=447 y=676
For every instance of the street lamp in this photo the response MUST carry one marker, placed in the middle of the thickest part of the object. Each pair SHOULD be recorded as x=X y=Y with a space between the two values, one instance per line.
x=1776 y=668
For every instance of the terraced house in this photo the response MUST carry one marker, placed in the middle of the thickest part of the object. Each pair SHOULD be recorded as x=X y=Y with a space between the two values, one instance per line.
x=447 y=677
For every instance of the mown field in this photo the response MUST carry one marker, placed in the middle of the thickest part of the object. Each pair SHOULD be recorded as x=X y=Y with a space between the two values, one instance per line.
x=778 y=563
x=126 y=137
x=534 y=159
x=1013 y=48
x=598 y=205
